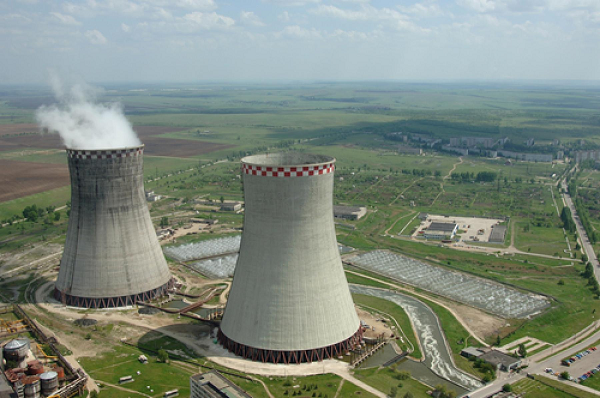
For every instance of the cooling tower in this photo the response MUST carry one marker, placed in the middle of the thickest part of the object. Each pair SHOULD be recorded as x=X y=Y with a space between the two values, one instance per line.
x=112 y=257
x=289 y=301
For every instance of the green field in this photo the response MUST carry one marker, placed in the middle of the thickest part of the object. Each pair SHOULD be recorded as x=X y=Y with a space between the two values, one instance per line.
x=354 y=122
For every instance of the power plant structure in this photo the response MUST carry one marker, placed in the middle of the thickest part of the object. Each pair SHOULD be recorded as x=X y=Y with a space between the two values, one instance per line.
x=112 y=257
x=289 y=301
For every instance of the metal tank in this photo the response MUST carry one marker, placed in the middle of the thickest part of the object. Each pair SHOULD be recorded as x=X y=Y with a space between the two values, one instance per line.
x=289 y=301
x=49 y=382
x=112 y=257
x=32 y=387
x=16 y=350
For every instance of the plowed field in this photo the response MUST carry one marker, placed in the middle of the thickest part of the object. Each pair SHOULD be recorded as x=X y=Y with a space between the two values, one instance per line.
x=19 y=179
x=155 y=146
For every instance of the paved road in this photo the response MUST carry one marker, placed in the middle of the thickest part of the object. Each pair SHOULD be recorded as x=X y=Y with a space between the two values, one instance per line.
x=583 y=237
x=537 y=363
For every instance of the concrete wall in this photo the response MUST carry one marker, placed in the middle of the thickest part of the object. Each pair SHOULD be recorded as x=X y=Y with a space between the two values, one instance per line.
x=111 y=248
x=289 y=289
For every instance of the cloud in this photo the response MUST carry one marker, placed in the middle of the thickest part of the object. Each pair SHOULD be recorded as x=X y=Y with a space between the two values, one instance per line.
x=249 y=18
x=478 y=5
x=95 y=37
x=298 y=32
x=207 y=21
x=425 y=9
x=65 y=19
x=284 y=16
x=352 y=34
x=366 y=12
x=126 y=28
x=17 y=18
x=205 y=5
x=292 y=3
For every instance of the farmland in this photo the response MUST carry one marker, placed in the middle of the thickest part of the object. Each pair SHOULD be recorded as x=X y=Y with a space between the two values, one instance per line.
x=194 y=139
x=20 y=179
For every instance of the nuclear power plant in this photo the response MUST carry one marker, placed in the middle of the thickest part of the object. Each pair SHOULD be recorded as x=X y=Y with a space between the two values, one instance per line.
x=112 y=257
x=289 y=301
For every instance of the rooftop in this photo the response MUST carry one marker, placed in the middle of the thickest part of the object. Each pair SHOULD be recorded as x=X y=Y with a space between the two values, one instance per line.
x=498 y=358
x=218 y=386
x=442 y=226
x=346 y=209
x=472 y=351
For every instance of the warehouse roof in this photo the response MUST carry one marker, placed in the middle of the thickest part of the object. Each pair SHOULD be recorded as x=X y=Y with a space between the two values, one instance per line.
x=346 y=209
x=442 y=226
x=497 y=358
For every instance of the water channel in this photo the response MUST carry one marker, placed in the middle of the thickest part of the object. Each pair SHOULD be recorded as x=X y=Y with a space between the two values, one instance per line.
x=437 y=368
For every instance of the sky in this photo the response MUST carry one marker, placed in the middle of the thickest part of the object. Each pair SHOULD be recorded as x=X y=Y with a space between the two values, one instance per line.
x=298 y=40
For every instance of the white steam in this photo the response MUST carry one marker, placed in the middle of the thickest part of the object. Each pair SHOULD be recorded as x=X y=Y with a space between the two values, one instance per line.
x=82 y=122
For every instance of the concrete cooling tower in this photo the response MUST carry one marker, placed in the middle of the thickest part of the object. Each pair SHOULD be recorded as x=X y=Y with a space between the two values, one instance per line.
x=112 y=257
x=290 y=301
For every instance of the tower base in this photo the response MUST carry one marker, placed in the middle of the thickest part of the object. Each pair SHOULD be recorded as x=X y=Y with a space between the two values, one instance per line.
x=112 y=302
x=290 y=357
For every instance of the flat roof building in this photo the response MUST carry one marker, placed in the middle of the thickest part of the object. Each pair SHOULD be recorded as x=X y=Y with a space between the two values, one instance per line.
x=231 y=206
x=500 y=360
x=213 y=385
x=441 y=230
x=471 y=352
x=349 y=212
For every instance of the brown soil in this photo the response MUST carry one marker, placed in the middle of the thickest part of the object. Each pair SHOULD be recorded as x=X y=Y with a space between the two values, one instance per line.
x=155 y=146
x=6 y=129
x=20 y=179
x=18 y=128
x=481 y=323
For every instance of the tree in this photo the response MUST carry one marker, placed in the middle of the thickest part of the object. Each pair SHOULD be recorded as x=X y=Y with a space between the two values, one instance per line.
x=408 y=394
x=507 y=388
x=522 y=350
x=163 y=356
x=393 y=391
x=56 y=216
x=222 y=199
x=31 y=213
x=589 y=270
x=565 y=375
x=164 y=221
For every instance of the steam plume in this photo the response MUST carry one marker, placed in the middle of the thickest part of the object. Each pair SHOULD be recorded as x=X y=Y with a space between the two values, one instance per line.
x=82 y=122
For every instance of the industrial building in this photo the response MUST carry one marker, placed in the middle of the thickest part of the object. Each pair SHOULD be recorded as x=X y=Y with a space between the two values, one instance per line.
x=498 y=234
x=349 y=212
x=500 y=360
x=231 y=206
x=441 y=230
x=289 y=301
x=112 y=257
x=213 y=385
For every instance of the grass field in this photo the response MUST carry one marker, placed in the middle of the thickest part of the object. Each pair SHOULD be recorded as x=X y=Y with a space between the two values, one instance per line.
x=535 y=389
x=384 y=379
x=110 y=366
x=350 y=121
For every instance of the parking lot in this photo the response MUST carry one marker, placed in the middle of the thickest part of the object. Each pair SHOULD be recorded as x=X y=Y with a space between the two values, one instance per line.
x=473 y=229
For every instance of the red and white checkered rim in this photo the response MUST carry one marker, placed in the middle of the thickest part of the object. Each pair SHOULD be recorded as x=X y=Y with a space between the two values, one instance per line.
x=287 y=171
x=105 y=153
